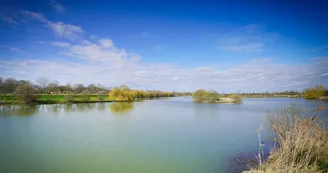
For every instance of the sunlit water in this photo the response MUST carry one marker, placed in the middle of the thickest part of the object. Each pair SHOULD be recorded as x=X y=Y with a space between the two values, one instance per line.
x=155 y=136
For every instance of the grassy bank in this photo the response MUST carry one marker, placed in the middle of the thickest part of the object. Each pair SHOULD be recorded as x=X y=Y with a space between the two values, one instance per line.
x=47 y=98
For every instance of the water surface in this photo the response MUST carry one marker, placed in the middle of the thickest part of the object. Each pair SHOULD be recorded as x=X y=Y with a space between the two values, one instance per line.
x=156 y=136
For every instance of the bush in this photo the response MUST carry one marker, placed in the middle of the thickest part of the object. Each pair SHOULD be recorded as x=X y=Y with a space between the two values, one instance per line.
x=26 y=93
x=301 y=142
x=314 y=93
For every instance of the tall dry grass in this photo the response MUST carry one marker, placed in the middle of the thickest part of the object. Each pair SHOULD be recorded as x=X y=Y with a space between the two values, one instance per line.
x=301 y=142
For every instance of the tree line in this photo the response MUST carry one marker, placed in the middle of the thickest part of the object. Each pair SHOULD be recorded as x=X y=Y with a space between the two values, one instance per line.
x=27 y=91
x=45 y=86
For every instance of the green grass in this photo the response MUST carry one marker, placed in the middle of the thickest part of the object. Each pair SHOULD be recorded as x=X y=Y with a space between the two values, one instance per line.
x=58 y=98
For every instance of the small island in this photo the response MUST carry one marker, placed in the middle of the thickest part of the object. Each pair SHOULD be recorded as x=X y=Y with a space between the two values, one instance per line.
x=211 y=96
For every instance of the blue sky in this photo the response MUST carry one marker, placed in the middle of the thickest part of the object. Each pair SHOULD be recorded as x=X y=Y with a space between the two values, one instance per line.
x=227 y=46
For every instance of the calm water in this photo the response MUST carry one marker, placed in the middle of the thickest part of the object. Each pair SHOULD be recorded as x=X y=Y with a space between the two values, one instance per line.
x=155 y=136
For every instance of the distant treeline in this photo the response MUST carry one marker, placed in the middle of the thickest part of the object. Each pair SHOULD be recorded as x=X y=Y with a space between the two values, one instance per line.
x=272 y=94
x=27 y=90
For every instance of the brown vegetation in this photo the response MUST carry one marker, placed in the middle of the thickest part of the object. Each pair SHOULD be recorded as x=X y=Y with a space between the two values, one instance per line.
x=301 y=142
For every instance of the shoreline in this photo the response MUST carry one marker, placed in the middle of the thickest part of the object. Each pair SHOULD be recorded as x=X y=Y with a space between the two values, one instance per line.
x=221 y=100
x=40 y=102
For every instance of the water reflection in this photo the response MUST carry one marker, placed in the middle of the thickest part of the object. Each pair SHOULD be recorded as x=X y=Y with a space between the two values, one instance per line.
x=101 y=106
x=19 y=110
x=121 y=107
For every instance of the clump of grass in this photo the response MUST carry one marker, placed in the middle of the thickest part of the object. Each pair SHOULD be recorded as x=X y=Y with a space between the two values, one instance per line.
x=301 y=143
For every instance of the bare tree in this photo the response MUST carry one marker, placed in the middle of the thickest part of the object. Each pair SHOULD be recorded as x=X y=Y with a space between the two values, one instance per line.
x=43 y=83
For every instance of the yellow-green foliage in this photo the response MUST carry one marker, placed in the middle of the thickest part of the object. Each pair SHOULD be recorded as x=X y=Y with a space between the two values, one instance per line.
x=314 y=93
x=121 y=94
x=126 y=94
x=202 y=95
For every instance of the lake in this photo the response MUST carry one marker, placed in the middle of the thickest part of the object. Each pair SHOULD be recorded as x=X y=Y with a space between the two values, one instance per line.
x=171 y=135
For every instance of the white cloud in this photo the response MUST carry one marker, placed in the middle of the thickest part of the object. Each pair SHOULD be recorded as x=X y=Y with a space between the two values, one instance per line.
x=65 y=30
x=8 y=20
x=100 y=61
x=57 y=6
x=35 y=16
x=60 y=29
x=61 y=44
x=106 y=43
x=116 y=66
x=15 y=49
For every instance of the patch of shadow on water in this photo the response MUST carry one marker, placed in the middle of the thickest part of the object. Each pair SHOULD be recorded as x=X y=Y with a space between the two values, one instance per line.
x=244 y=161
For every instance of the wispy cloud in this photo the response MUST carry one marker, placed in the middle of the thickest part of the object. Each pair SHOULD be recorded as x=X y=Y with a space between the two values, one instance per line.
x=15 y=49
x=57 y=6
x=249 y=38
x=9 y=20
x=61 y=44
x=103 y=51
x=60 y=29
x=65 y=30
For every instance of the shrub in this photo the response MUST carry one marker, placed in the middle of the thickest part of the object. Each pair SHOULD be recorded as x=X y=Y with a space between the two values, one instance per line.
x=26 y=93
x=301 y=142
x=314 y=93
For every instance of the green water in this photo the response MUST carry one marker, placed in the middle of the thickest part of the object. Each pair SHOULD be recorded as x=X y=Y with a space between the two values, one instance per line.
x=155 y=136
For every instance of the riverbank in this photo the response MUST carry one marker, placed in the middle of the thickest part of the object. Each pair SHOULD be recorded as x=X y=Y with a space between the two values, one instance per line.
x=62 y=99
